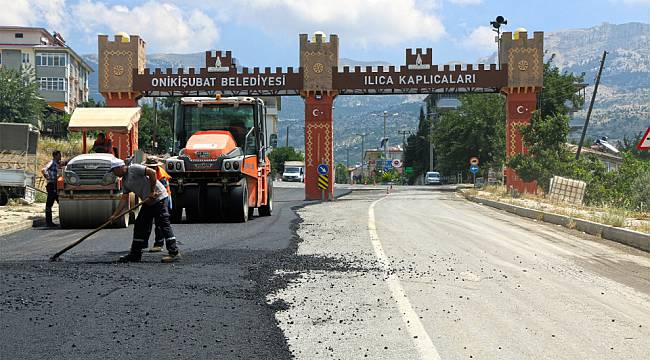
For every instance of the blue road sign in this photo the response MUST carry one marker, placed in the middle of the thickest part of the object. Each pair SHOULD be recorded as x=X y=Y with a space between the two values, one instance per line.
x=473 y=169
x=323 y=169
x=388 y=165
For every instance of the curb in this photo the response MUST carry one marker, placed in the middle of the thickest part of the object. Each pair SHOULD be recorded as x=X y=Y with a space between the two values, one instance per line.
x=23 y=225
x=631 y=238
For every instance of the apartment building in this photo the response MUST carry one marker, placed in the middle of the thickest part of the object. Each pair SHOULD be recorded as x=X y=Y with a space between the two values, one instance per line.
x=61 y=73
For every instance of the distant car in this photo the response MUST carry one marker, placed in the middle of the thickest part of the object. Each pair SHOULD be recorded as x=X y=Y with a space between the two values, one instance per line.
x=432 y=178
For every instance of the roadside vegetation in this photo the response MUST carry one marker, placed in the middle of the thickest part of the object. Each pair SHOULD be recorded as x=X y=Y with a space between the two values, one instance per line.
x=476 y=128
x=281 y=154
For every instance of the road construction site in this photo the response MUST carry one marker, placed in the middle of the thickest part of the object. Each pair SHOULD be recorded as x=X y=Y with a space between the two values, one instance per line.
x=417 y=273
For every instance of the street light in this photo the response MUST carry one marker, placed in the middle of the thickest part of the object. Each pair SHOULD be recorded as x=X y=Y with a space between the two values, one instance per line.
x=496 y=27
x=385 y=139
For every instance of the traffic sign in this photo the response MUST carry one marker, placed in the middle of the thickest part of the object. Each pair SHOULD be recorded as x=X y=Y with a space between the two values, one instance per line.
x=408 y=169
x=397 y=163
x=388 y=164
x=323 y=169
x=473 y=169
x=473 y=160
x=323 y=182
x=645 y=141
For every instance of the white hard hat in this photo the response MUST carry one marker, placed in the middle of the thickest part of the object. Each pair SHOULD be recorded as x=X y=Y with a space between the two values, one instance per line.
x=115 y=163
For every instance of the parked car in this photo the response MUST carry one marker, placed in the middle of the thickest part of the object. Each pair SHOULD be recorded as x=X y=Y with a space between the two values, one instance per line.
x=432 y=178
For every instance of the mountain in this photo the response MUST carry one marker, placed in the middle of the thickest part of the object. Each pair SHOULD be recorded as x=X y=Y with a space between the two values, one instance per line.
x=622 y=105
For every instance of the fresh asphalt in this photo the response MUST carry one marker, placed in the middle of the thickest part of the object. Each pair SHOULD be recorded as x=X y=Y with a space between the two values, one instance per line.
x=213 y=304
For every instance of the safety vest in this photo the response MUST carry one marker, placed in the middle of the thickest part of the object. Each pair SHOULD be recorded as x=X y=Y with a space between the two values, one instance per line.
x=163 y=177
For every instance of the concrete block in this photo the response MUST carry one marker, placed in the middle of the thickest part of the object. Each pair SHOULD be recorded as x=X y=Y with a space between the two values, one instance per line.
x=589 y=227
x=632 y=238
x=529 y=213
x=557 y=219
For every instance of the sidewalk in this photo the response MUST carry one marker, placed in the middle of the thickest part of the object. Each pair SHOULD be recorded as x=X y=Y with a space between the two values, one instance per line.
x=573 y=218
x=16 y=217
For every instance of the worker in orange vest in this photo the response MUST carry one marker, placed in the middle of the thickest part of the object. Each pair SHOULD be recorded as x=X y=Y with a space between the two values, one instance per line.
x=163 y=177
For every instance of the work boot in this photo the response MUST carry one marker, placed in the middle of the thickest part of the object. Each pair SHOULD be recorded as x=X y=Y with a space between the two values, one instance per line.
x=48 y=219
x=156 y=248
x=132 y=256
x=171 y=257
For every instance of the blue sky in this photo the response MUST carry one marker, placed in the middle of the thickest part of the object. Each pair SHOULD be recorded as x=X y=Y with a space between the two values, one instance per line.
x=265 y=32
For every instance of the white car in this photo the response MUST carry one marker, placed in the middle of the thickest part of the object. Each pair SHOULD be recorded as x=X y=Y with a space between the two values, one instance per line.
x=432 y=178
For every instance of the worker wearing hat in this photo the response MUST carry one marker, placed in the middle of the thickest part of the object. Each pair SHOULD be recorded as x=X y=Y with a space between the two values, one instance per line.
x=142 y=181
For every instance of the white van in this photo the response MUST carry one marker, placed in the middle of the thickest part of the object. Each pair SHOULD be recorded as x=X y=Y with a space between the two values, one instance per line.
x=294 y=171
x=432 y=178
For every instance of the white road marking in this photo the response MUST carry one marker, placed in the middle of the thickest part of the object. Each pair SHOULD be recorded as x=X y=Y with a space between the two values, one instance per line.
x=414 y=326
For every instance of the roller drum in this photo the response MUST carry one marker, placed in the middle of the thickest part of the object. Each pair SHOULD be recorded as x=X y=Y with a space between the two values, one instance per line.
x=88 y=213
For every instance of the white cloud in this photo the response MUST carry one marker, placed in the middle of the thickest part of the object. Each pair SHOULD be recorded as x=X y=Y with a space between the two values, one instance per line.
x=49 y=13
x=164 y=26
x=466 y=2
x=633 y=2
x=481 y=38
x=360 y=22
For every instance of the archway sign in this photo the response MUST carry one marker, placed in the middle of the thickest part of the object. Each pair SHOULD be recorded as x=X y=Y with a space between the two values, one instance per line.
x=123 y=79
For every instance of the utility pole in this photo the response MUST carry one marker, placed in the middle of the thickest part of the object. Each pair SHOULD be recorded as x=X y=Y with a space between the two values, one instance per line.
x=155 y=124
x=363 y=137
x=404 y=133
x=347 y=151
x=287 y=142
x=429 y=140
x=591 y=105
x=384 y=138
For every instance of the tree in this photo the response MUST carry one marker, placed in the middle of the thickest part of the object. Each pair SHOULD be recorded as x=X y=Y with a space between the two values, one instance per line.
x=476 y=128
x=279 y=155
x=19 y=97
x=559 y=94
x=629 y=145
x=164 y=133
x=547 y=153
x=416 y=153
x=341 y=174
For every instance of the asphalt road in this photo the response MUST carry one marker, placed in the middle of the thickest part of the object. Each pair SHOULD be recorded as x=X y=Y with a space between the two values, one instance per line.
x=210 y=305
x=419 y=273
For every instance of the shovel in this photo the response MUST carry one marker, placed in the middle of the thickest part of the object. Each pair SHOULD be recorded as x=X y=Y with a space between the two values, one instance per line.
x=55 y=257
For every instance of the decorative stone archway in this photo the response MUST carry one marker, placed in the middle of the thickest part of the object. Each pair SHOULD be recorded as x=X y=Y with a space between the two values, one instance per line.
x=123 y=79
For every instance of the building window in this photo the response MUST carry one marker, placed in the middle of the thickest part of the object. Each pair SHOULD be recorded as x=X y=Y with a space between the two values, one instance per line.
x=52 y=84
x=25 y=58
x=18 y=35
x=53 y=59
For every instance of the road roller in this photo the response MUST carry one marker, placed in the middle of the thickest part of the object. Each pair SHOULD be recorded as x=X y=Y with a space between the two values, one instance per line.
x=88 y=191
x=222 y=171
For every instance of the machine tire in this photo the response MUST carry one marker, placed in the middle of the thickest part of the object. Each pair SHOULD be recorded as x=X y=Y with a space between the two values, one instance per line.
x=133 y=200
x=239 y=203
x=176 y=215
x=267 y=210
x=123 y=222
x=4 y=199
x=192 y=214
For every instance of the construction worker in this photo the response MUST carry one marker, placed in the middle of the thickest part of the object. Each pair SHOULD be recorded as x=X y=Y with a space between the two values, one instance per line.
x=159 y=236
x=102 y=144
x=50 y=172
x=142 y=181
